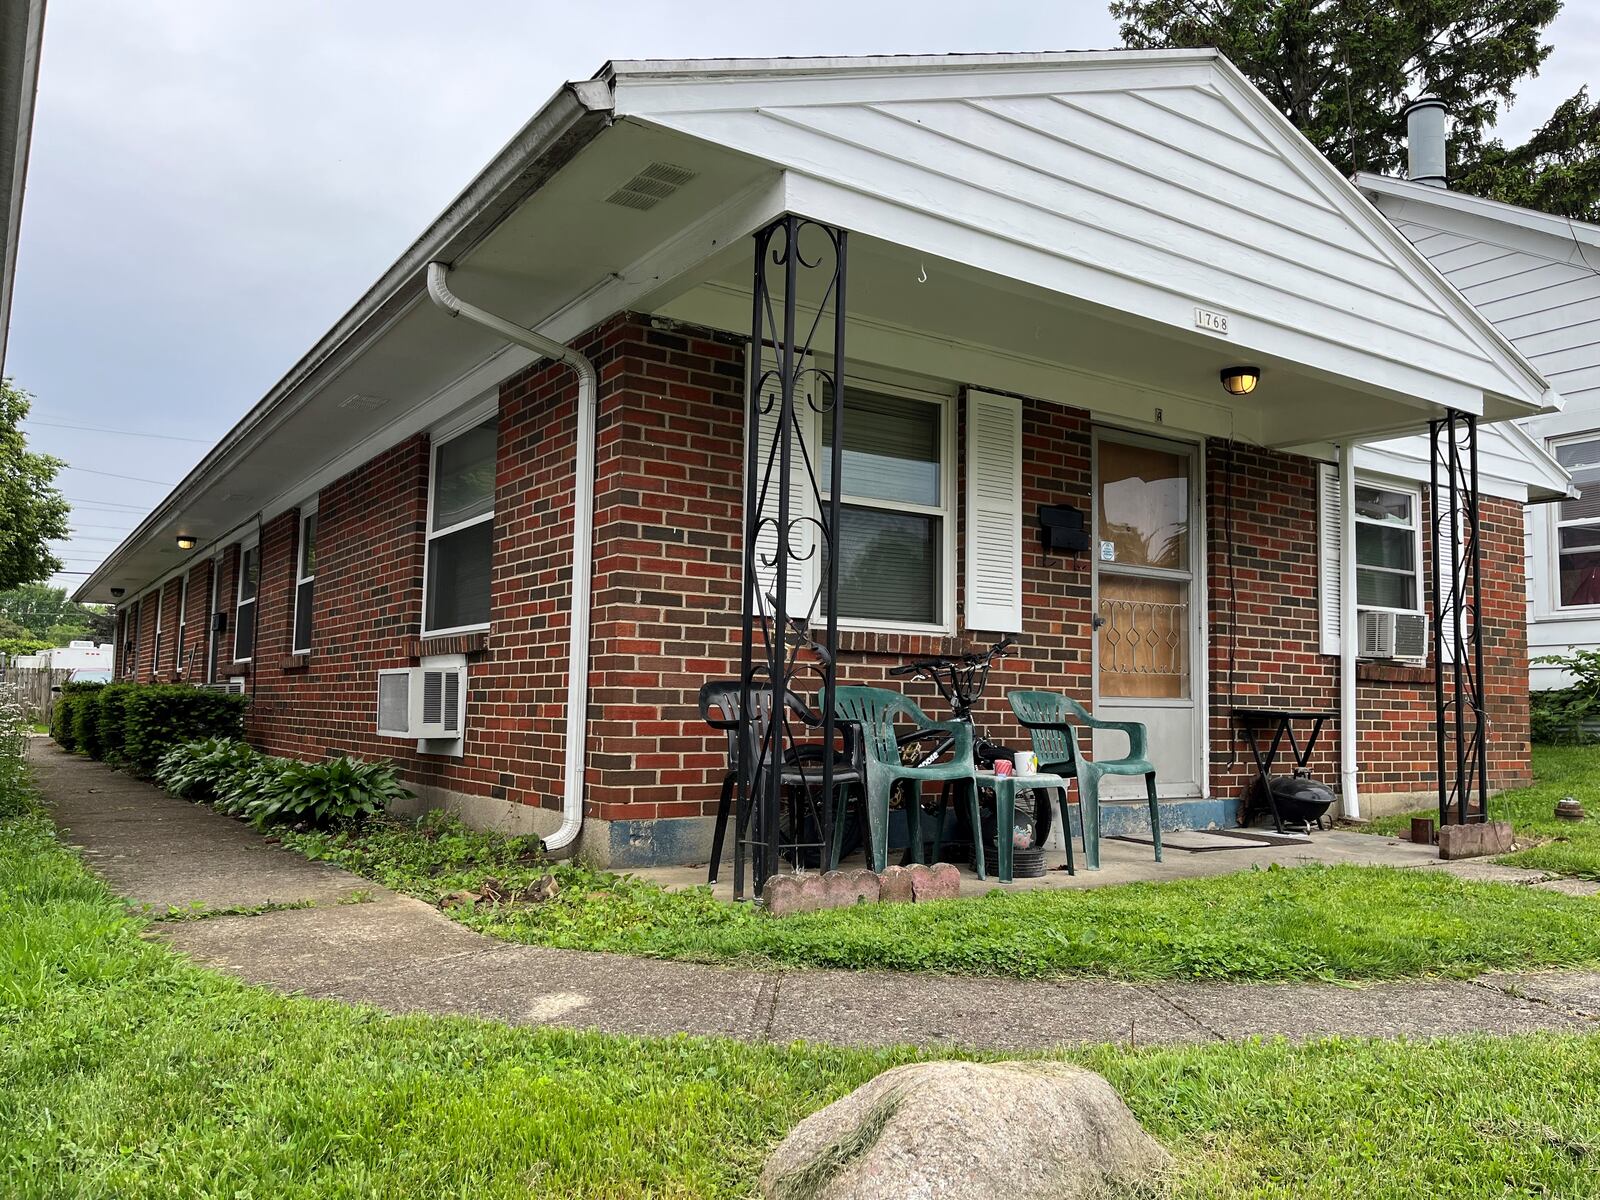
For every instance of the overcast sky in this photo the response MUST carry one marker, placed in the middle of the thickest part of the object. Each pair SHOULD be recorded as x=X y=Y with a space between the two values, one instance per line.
x=213 y=184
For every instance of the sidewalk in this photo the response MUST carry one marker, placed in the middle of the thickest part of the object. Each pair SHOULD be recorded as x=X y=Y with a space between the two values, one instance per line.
x=361 y=943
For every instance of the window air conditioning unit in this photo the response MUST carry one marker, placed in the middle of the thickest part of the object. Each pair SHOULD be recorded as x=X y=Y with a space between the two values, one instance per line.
x=1393 y=635
x=422 y=702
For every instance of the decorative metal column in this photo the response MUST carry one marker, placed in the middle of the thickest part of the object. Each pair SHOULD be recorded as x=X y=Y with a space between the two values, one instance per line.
x=796 y=326
x=1460 y=723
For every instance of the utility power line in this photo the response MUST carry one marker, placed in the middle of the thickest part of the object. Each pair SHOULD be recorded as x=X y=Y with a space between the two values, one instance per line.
x=165 y=437
x=114 y=475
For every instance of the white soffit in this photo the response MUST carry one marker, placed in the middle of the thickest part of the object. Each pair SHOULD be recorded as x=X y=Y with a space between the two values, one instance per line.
x=1150 y=183
x=1511 y=464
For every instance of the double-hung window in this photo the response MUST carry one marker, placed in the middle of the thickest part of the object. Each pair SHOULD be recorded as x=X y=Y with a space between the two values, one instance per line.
x=183 y=621
x=1388 y=548
x=305 y=580
x=155 y=645
x=894 y=508
x=1577 y=526
x=460 y=551
x=244 y=604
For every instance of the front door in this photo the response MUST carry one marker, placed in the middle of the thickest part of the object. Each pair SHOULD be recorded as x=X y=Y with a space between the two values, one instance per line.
x=1148 y=642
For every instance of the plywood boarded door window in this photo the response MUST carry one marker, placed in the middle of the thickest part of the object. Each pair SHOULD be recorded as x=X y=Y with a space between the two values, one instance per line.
x=1143 y=552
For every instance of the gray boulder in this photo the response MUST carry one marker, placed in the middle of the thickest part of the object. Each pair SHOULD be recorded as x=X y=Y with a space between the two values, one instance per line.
x=931 y=1131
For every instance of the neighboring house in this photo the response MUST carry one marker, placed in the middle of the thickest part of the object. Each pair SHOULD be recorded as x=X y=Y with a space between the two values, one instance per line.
x=21 y=38
x=1537 y=277
x=1052 y=259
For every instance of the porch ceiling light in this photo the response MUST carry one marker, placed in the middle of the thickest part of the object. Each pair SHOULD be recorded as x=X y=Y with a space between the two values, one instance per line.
x=185 y=542
x=1240 y=381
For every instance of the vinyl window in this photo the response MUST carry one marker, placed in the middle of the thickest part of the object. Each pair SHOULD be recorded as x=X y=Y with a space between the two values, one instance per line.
x=894 y=508
x=1388 y=548
x=460 y=549
x=244 y=605
x=305 y=583
x=155 y=645
x=1577 y=526
x=183 y=621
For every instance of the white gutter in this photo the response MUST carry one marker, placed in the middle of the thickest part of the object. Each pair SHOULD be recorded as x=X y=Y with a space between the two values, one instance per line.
x=1349 y=637
x=582 y=538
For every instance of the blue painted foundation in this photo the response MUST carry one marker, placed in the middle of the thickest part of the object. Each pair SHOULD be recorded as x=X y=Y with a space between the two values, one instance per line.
x=678 y=840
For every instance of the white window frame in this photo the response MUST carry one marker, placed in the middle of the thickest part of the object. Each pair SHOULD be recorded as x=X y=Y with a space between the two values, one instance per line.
x=308 y=513
x=183 y=621
x=1414 y=492
x=1556 y=525
x=211 y=619
x=250 y=547
x=456 y=429
x=945 y=510
x=155 y=641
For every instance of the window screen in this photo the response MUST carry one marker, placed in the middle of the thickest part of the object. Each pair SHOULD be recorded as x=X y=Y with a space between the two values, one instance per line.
x=461 y=530
x=892 y=508
x=1386 y=549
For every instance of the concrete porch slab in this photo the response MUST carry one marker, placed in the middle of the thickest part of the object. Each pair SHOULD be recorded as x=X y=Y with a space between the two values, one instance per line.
x=1129 y=862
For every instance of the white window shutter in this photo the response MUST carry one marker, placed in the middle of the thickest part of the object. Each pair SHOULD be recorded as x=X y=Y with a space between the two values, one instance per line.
x=1330 y=540
x=1447 y=556
x=994 y=513
x=804 y=568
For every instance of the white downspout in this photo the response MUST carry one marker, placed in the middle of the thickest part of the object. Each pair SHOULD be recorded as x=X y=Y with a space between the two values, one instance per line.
x=582 y=538
x=1349 y=637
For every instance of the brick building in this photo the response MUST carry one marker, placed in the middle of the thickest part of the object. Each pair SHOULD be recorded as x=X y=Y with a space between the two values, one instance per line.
x=1052 y=259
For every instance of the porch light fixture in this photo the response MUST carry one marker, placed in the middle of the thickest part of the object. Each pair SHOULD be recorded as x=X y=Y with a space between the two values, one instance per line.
x=1240 y=381
x=117 y=593
x=185 y=542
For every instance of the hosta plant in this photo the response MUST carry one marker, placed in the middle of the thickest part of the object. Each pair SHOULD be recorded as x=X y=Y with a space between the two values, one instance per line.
x=332 y=792
x=202 y=769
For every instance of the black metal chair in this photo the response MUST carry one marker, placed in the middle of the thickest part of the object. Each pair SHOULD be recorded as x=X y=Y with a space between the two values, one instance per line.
x=719 y=708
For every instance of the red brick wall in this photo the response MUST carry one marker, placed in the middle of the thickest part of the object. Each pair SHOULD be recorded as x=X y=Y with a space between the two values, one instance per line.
x=191 y=653
x=666 y=597
x=1277 y=635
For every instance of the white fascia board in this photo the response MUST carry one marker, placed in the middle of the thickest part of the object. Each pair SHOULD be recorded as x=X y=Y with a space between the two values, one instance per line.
x=1491 y=214
x=1532 y=390
x=568 y=121
x=676 y=263
x=662 y=93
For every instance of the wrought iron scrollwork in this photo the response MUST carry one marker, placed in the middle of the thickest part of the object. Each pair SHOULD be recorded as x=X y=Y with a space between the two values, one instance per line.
x=797 y=323
x=1460 y=721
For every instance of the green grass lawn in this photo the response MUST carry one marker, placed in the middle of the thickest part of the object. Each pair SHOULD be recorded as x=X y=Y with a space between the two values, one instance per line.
x=127 y=1073
x=1563 y=847
x=1353 y=923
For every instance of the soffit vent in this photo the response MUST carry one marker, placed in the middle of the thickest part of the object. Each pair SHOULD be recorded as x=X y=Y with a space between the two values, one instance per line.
x=651 y=186
x=362 y=403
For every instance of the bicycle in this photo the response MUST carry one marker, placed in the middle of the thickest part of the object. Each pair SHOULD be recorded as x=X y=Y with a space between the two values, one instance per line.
x=961 y=682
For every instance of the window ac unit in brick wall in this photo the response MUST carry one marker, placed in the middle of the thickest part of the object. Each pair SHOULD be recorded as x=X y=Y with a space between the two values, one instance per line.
x=422 y=702
x=1394 y=635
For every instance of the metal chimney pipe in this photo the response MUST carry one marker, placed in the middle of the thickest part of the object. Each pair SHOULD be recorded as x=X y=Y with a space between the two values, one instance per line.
x=1425 y=141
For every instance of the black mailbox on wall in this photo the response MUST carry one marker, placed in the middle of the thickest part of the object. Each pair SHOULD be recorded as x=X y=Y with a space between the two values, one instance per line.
x=1061 y=529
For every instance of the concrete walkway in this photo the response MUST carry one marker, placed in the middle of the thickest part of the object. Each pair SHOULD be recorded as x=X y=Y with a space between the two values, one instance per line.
x=401 y=955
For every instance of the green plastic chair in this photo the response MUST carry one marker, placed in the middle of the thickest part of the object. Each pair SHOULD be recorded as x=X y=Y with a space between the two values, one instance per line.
x=873 y=712
x=1051 y=719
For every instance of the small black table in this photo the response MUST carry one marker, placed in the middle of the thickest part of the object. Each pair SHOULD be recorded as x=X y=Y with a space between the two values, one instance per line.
x=1252 y=721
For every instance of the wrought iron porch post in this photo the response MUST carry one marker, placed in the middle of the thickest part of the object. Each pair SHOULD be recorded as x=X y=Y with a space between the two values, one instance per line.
x=784 y=390
x=1460 y=720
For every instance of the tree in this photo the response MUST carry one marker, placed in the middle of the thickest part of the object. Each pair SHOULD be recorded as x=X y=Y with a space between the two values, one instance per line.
x=32 y=510
x=1557 y=170
x=1342 y=71
x=42 y=612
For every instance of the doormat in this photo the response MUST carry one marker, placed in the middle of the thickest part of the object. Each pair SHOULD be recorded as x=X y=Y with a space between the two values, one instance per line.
x=1196 y=841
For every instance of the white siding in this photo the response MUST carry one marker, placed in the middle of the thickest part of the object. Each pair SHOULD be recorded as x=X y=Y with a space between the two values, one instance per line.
x=1538 y=279
x=1146 y=189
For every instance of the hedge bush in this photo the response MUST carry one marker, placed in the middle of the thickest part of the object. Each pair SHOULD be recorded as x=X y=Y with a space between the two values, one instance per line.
x=67 y=718
x=109 y=703
x=157 y=717
x=86 y=717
